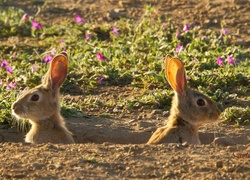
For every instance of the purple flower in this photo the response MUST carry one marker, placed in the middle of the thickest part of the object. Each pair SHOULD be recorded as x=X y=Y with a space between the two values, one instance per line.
x=48 y=58
x=177 y=34
x=219 y=61
x=164 y=25
x=186 y=28
x=4 y=63
x=34 y=68
x=25 y=17
x=196 y=60
x=115 y=31
x=100 y=56
x=204 y=37
x=11 y=85
x=9 y=69
x=87 y=36
x=53 y=51
x=36 y=25
x=179 y=48
x=100 y=79
x=224 y=31
x=79 y=19
x=62 y=41
x=230 y=60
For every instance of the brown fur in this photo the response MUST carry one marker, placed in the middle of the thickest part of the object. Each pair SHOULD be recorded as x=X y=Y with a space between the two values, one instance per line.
x=186 y=116
x=44 y=114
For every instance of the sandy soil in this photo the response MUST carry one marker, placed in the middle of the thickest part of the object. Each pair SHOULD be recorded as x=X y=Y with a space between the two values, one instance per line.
x=114 y=147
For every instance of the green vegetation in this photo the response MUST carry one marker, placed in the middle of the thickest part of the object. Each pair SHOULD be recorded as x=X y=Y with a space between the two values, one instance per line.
x=118 y=54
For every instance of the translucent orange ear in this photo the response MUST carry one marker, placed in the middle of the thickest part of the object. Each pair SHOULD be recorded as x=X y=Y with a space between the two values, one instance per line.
x=175 y=74
x=167 y=59
x=59 y=70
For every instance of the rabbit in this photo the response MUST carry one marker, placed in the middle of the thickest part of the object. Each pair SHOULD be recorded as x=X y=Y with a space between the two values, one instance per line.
x=190 y=109
x=41 y=106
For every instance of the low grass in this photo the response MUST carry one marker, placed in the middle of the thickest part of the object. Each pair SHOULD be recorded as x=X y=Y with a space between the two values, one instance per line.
x=132 y=57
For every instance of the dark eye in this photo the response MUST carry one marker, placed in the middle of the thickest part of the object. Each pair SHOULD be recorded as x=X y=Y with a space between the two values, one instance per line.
x=200 y=102
x=34 y=97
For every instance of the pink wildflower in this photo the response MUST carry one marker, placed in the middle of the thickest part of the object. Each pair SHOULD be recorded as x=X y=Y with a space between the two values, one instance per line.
x=79 y=19
x=9 y=69
x=219 y=61
x=48 y=58
x=4 y=63
x=164 y=25
x=179 y=48
x=177 y=34
x=87 y=36
x=230 y=60
x=11 y=85
x=100 y=79
x=204 y=37
x=53 y=51
x=186 y=28
x=196 y=60
x=34 y=68
x=36 y=25
x=224 y=31
x=115 y=31
x=100 y=56
x=25 y=17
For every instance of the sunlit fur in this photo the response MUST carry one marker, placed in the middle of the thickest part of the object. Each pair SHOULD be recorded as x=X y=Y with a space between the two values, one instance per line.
x=185 y=118
x=44 y=115
x=186 y=107
x=35 y=110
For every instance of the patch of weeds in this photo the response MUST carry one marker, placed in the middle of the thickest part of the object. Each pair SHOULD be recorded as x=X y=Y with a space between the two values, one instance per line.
x=5 y=105
x=237 y=115
x=22 y=125
x=71 y=109
x=12 y=23
x=68 y=111
x=124 y=53
x=150 y=99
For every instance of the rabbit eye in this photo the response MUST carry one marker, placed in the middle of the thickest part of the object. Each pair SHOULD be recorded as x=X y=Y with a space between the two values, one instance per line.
x=35 y=97
x=200 y=102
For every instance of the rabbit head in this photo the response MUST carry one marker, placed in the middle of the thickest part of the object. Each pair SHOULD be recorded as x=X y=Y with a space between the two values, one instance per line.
x=42 y=101
x=190 y=105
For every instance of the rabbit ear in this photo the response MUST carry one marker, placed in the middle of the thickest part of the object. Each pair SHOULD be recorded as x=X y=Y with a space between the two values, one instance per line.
x=167 y=59
x=64 y=53
x=57 y=72
x=175 y=74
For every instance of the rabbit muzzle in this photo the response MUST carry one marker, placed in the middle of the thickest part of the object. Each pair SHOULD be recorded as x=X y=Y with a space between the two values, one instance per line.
x=18 y=110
